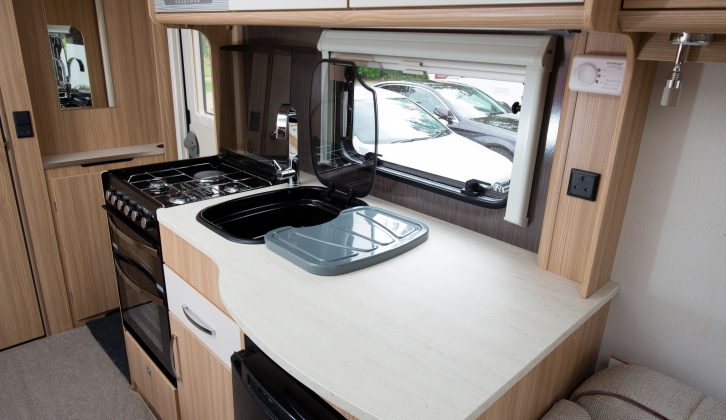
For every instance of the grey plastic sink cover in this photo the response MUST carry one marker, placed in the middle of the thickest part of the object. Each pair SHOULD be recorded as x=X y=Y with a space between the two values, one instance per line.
x=359 y=237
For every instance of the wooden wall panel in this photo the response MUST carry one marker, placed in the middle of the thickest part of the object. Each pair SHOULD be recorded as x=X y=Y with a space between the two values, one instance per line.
x=34 y=204
x=580 y=237
x=20 y=318
x=140 y=72
x=81 y=14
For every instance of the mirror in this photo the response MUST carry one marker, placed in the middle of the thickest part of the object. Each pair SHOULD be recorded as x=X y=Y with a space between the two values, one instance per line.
x=69 y=66
x=78 y=51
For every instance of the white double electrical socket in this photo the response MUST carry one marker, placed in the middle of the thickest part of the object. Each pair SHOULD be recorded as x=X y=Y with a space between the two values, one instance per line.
x=597 y=74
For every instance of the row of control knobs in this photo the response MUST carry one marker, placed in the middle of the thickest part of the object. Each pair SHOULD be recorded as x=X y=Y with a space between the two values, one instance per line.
x=128 y=209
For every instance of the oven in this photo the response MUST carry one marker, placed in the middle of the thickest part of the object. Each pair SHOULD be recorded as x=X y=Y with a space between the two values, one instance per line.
x=141 y=288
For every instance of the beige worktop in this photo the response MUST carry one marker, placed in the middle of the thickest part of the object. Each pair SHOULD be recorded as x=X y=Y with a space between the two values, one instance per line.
x=441 y=331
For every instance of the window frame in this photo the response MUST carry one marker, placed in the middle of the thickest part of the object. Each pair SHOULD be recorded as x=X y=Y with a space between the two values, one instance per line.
x=199 y=90
x=507 y=57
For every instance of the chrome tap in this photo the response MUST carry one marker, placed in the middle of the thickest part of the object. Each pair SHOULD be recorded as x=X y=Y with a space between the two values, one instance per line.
x=286 y=129
x=63 y=77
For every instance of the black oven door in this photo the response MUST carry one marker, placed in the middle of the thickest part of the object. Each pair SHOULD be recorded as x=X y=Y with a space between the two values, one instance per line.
x=139 y=275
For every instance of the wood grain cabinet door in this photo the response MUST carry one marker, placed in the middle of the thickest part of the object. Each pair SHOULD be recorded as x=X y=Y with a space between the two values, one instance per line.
x=204 y=383
x=19 y=312
x=85 y=245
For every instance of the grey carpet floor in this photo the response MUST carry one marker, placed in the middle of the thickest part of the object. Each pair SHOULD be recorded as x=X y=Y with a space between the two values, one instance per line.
x=66 y=376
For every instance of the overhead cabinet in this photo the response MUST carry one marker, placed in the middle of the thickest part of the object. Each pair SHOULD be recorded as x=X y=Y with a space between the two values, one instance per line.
x=414 y=3
x=164 y=6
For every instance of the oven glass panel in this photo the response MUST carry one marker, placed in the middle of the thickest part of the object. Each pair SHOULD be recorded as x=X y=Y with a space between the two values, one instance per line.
x=144 y=311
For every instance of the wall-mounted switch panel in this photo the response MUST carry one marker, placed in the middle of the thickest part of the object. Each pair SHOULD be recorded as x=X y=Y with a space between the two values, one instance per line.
x=23 y=124
x=597 y=74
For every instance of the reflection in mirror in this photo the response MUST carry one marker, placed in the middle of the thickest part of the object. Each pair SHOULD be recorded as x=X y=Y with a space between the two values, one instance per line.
x=68 y=54
x=79 y=53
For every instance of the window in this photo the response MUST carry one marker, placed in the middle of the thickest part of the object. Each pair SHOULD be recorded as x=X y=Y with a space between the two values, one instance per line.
x=458 y=114
x=205 y=65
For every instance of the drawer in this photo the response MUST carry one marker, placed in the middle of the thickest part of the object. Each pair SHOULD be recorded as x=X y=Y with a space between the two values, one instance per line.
x=211 y=326
x=150 y=382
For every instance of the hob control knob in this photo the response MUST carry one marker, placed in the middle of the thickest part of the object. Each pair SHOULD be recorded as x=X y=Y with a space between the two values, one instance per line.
x=135 y=215
x=108 y=195
x=120 y=204
x=145 y=222
x=113 y=199
x=127 y=210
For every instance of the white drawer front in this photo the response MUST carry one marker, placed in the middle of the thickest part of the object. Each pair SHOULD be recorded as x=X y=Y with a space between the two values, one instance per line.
x=212 y=327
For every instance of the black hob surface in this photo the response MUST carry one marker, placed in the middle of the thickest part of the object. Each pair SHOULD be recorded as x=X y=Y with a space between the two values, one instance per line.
x=187 y=181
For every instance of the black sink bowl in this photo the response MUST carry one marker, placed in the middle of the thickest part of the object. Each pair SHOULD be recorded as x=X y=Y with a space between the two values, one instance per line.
x=248 y=219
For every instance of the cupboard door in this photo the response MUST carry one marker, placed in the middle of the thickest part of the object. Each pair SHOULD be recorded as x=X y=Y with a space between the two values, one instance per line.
x=19 y=312
x=85 y=246
x=204 y=383
x=150 y=382
x=446 y=3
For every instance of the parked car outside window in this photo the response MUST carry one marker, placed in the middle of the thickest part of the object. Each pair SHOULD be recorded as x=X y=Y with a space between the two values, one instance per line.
x=411 y=137
x=467 y=110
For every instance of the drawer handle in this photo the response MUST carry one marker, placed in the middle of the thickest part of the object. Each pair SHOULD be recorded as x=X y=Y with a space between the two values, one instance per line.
x=194 y=319
x=175 y=357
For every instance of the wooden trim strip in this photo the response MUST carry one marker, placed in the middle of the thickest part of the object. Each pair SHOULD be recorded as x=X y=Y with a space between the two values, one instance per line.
x=531 y=17
x=657 y=47
x=712 y=21
x=567 y=116
x=673 y=4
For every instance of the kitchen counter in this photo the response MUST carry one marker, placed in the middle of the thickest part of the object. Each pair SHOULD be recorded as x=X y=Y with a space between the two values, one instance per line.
x=442 y=331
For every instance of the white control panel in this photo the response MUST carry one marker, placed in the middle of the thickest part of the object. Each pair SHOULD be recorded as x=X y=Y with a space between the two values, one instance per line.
x=597 y=74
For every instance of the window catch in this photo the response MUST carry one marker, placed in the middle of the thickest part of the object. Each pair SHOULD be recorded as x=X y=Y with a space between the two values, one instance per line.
x=474 y=187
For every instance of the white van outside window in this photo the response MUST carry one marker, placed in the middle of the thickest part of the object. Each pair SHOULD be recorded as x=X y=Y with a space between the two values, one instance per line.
x=458 y=113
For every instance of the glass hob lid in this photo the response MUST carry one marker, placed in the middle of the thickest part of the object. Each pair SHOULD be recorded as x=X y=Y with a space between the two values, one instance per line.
x=343 y=128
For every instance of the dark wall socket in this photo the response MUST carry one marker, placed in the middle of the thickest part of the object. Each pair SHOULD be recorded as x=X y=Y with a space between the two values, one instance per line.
x=583 y=184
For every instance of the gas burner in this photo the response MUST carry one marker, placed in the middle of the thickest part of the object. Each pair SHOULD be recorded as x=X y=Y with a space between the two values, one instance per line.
x=209 y=177
x=232 y=188
x=158 y=186
x=178 y=199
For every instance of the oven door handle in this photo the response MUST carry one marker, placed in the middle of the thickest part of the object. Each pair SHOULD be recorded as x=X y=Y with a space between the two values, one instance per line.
x=196 y=321
x=128 y=240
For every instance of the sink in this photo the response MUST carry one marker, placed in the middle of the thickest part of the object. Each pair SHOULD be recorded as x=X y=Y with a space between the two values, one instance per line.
x=248 y=219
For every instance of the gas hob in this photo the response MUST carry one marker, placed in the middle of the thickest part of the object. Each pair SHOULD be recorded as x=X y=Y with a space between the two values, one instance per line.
x=138 y=192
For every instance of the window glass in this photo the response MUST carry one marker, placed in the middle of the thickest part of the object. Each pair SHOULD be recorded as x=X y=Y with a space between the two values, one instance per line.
x=445 y=126
x=205 y=62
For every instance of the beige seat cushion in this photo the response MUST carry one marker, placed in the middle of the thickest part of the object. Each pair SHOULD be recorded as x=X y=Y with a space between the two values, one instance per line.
x=567 y=410
x=709 y=409
x=634 y=392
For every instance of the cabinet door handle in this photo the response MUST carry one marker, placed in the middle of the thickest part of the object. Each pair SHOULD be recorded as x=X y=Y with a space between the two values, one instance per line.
x=194 y=319
x=176 y=362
